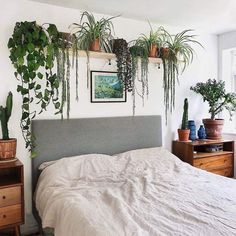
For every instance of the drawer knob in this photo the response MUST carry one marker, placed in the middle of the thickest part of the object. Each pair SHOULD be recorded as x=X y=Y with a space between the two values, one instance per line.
x=3 y=197
x=4 y=216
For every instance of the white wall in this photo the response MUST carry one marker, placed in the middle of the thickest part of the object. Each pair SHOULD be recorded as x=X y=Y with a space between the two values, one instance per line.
x=203 y=67
x=226 y=42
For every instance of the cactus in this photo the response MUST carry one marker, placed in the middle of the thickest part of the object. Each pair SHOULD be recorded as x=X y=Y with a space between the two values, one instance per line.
x=5 y=114
x=184 y=124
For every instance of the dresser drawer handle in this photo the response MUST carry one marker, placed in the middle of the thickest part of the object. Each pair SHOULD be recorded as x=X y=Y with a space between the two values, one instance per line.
x=4 y=216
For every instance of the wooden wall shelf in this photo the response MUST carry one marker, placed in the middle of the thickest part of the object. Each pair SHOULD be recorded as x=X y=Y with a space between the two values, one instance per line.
x=112 y=56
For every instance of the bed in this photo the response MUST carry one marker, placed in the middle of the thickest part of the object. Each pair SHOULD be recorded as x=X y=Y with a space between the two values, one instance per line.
x=110 y=176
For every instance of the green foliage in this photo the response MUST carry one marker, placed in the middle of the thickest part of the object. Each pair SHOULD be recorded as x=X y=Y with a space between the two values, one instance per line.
x=5 y=114
x=89 y=29
x=34 y=52
x=136 y=53
x=154 y=38
x=214 y=93
x=180 y=55
x=120 y=48
x=184 y=124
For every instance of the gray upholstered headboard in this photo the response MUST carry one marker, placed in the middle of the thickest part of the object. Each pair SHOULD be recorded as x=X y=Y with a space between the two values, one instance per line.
x=56 y=139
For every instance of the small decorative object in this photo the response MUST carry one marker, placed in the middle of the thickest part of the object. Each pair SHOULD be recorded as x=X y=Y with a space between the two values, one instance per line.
x=106 y=87
x=7 y=145
x=214 y=148
x=201 y=132
x=192 y=127
x=214 y=93
x=184 y=131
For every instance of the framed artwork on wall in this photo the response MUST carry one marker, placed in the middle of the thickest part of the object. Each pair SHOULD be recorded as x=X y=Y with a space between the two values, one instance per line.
x=106 y=87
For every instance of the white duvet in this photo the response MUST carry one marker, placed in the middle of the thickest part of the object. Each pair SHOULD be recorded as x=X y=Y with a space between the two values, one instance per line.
x=141 y=192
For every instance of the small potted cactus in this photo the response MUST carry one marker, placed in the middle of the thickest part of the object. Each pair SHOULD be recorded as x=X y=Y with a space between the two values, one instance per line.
x=7 y=145
x=184 y=131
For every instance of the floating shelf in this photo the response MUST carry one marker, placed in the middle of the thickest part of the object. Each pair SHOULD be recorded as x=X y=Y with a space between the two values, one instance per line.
x=112 y=56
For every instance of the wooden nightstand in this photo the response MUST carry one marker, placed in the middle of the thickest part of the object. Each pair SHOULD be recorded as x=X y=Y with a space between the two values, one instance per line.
x=11 y=195
x=218 y=162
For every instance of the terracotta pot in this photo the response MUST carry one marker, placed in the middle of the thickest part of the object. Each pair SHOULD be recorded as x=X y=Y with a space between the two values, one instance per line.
x=183 y=134
x=213 y=128
x=165 y=52
x=153 y=50
x=7 y=148
x=95 y=45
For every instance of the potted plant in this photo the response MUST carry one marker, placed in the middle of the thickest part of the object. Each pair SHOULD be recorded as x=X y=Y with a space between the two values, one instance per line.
x=184 y=131
x=150 y=43
x=94 y=35
x=123 y=59
x=179 y=56
x=40 y=56
x=218 y=99
x=7 y=145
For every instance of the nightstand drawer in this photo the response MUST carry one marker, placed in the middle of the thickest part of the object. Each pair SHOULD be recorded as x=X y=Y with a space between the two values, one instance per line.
x=214 y=162
x=10 y=196
x=10 y=215
x=228 y=172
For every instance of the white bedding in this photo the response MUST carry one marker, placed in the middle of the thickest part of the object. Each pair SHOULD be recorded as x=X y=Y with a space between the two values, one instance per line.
x=142 y=192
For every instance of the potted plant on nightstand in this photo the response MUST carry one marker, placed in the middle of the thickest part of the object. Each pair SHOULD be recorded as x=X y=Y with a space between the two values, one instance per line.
x=7 y=145
x=218 y=99
x=184 y=131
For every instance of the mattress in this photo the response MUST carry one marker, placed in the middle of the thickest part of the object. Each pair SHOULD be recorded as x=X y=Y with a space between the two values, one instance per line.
x=140 y=192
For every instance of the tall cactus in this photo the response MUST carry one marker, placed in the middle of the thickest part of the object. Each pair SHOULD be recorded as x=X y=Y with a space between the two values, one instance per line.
x=5 y=113
x=184 y=124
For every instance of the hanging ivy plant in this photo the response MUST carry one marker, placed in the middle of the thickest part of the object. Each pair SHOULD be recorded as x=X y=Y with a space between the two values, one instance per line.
x=120 y=48
x=34 y=52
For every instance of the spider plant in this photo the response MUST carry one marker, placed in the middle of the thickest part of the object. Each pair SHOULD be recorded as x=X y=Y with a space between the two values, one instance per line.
x=92 y=34
x=89 y=30
x=150 y=42
x=180 y=55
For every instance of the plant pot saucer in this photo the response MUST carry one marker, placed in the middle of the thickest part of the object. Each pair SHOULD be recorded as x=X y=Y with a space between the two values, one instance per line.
x=2 y=161
x=189 y=141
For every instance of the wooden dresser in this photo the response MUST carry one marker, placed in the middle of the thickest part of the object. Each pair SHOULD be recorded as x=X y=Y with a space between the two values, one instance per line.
x=11 y=195
x=218 y=162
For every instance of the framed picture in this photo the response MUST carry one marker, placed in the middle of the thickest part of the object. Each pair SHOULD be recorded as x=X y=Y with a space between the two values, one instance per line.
x=106 y=87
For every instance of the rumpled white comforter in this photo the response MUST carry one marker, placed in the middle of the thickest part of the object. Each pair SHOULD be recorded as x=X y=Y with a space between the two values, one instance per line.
x=141 y=192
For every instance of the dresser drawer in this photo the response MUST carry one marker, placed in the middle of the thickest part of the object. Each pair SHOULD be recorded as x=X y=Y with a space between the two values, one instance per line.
x=10 y=196
x=228 y=172
x=214 y=162
x=10 y=215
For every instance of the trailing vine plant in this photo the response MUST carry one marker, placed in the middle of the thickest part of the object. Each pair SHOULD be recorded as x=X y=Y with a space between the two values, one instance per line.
x=180 y=55
x=120 y=48
x=34 y=52
x=136 y=53
x=94 y=35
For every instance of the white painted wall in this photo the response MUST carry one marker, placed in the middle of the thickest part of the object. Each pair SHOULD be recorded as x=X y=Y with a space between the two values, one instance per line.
x=226 y=42
x=203 y=67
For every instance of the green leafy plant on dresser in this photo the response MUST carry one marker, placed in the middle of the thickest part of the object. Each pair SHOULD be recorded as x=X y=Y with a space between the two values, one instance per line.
x=7 y=144
x=214 y=93
x=35 y=52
